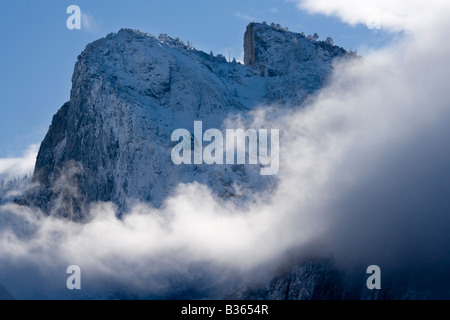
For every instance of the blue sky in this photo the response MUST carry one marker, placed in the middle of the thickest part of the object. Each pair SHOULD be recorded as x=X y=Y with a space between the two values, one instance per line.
x=38 y=52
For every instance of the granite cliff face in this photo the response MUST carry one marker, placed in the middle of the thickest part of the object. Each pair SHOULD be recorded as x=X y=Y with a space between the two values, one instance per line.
x=293 y=65
x=112 y=140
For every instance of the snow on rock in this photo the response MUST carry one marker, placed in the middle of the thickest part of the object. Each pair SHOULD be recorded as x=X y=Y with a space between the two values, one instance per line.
x=293 y=65
x=131 y=90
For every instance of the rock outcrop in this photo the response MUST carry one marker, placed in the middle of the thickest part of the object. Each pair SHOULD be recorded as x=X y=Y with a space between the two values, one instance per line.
x=112 y=140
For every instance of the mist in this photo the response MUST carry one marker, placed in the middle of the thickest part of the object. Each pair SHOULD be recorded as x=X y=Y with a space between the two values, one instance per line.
x=363 y=180
x=11 y=168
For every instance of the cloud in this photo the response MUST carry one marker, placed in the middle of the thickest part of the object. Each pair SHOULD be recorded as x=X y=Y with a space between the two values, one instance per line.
x=401 y=15
x=11 y=168
x=89 y=23
x=245 y=17
x=364 y=180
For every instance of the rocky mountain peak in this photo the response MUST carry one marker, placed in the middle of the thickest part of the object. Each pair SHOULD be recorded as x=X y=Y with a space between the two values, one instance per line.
x=130 y=90
x=277 y=51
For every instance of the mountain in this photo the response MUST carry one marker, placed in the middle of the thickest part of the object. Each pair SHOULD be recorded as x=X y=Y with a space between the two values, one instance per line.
x=131 y=90
x=112 y=141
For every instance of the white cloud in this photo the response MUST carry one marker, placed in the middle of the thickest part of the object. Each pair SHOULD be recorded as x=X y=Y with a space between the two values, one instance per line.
x=400 y=15
x=89 y=23
x=11 y=168
x=245 y=17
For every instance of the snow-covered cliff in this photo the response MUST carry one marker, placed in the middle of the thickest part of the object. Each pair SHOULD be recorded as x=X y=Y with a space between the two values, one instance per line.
x=112 y=140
